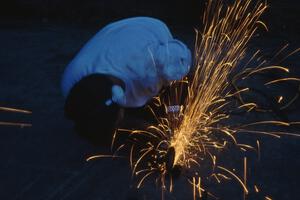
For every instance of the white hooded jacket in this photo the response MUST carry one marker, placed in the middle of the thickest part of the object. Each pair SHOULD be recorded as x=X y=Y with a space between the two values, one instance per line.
x=140 y=51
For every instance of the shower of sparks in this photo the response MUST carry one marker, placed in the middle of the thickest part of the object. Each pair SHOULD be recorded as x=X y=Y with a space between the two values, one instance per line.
x=15 y=110
x=195 y=129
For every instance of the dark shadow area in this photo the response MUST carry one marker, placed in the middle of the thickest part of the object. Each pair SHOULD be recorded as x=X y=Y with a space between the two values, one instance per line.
x=101 y=11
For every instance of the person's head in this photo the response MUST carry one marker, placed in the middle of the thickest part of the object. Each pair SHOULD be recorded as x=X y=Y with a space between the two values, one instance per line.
x=175 y=59
x=91 y=105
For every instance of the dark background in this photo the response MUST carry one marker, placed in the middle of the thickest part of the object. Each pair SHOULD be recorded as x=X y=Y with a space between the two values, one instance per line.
x=95 y=11
x=47 y=161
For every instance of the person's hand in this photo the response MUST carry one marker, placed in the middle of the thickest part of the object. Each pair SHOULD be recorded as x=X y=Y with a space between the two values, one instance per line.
x=118 y=95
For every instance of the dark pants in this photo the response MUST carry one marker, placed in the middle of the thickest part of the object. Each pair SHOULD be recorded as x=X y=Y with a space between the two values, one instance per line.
x=85 y=106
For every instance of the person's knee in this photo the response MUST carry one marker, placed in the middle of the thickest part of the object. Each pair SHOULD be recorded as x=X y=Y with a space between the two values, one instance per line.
x=85 y=106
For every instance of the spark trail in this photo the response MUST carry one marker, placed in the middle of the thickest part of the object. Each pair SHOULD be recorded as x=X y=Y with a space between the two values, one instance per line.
x=15 y=110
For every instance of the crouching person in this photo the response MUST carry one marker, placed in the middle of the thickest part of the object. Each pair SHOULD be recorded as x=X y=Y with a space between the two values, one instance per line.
x=123 y=66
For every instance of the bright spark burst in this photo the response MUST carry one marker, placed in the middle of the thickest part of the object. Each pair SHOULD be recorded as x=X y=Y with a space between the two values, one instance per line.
x=193 y=131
